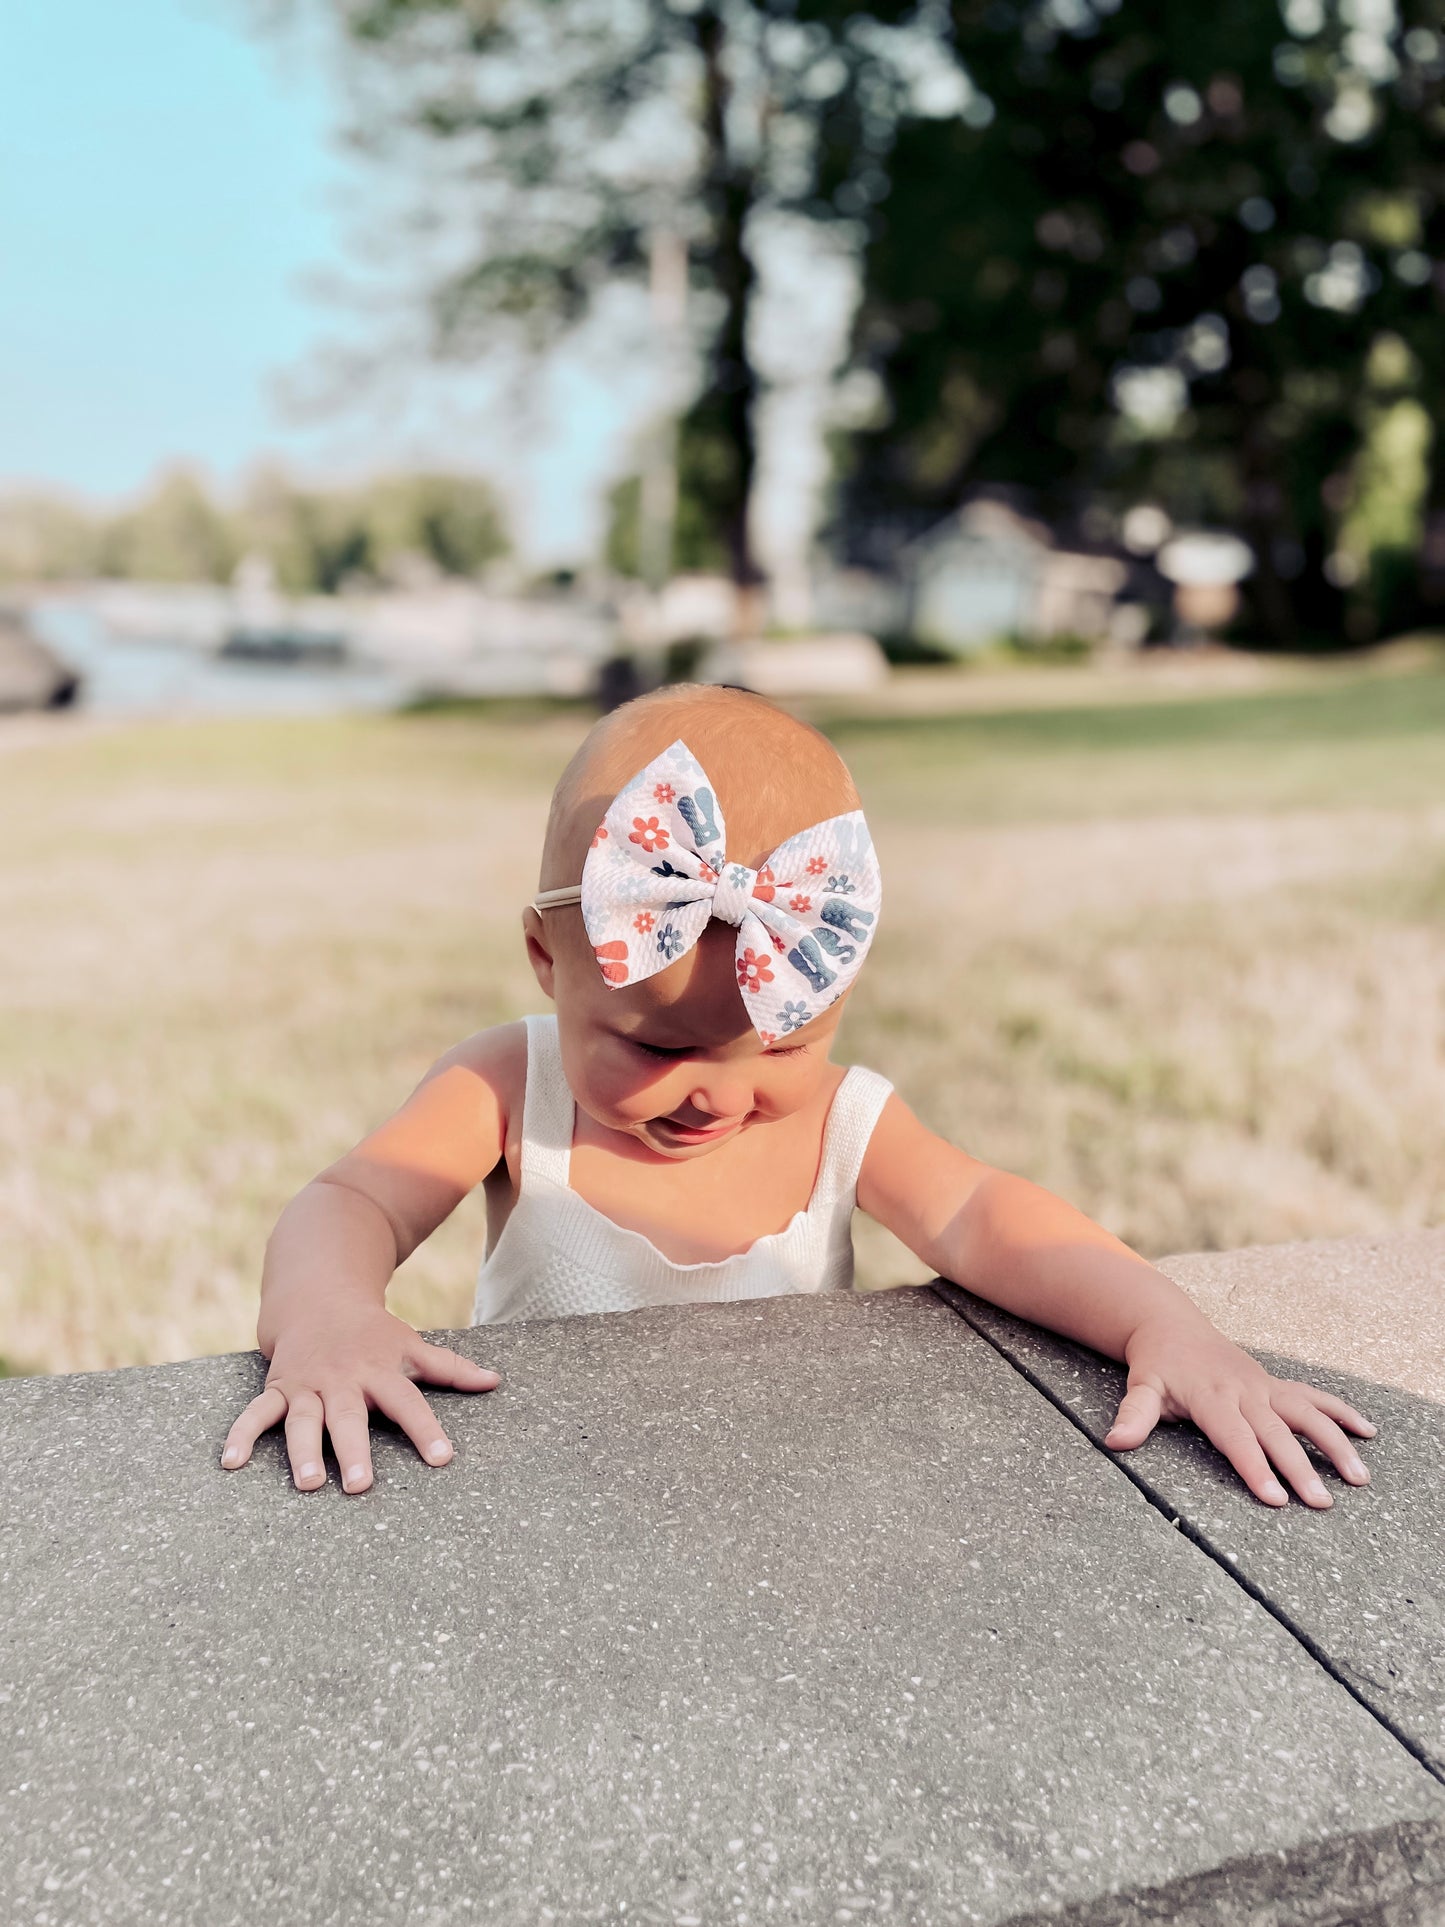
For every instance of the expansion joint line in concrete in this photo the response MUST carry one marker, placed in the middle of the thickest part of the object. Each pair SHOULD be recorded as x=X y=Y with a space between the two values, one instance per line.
x=952 y=1298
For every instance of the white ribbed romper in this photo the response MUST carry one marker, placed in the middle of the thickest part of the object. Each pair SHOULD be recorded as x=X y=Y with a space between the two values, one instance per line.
x=557 y=1254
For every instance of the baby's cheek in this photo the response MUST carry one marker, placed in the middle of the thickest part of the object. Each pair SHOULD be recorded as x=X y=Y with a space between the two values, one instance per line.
x=618 y=1095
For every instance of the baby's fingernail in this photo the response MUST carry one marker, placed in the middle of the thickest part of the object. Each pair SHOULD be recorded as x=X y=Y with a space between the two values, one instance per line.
x=312 y=1471
x=1276 y=1493
x=1316 y=1490
x=438 y=1452
x=231 y=1455
x=354 y=1476
x=1356 y=1470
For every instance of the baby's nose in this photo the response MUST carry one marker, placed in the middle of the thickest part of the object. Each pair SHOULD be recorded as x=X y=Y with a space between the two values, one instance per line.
x=722 y=1096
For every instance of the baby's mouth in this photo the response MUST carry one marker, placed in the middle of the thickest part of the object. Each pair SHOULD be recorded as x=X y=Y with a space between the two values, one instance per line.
x=697 y=1133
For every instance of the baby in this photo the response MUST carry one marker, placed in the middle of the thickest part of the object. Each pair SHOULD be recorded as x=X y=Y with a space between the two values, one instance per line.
x=678 y=1132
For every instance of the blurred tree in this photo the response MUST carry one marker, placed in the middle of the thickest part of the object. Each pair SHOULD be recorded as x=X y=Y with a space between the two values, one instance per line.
x=47 y=538
x=450 y=522
x=1157 y=255
x=577 y=128
x=316 y=540
x=705 y=476
x=319 y=540
x=174 y=534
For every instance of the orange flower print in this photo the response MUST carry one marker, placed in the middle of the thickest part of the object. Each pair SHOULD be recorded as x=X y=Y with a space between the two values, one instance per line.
x=768 y=1036
x=706 y=871
x=643 y=921
x=598 y=834
x=613 y=959
x=817 y=865
x=663 y=793
x=753 y=971
x=778 y=943
x=766 y=887
x=800 y=904
x=647 y=831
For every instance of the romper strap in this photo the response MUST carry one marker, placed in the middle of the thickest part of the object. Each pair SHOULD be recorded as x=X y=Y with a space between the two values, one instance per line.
x=548 y=1109
x=857 y=1104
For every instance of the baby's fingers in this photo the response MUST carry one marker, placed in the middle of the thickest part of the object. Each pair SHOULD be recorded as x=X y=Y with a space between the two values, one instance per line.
x=264 y=1411
x=1344 y=1415
x=435 y=1365
x=1135 y=1419
x=405 y=1406
x=1290 y=1458
x=1225 y=1426
x=303 y=1440
x=347 y=1420
x=1302 y=1415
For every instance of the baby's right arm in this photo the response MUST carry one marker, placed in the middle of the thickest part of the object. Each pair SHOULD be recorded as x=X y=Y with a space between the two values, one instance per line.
x=336 y=1352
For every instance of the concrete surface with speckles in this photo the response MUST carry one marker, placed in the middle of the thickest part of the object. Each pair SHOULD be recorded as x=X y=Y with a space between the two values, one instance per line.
x=1363 y=1584
x=807 y=1610
x=1372 y=1306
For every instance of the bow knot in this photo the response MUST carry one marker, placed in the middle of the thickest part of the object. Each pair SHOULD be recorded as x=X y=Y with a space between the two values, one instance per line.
x=732 y=893
x=804 y=918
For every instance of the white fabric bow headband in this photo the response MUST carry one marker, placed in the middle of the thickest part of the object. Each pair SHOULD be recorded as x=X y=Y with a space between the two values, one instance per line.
x=656 y=873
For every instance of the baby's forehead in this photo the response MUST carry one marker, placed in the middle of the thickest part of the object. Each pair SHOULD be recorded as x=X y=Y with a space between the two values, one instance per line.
x=771 y=774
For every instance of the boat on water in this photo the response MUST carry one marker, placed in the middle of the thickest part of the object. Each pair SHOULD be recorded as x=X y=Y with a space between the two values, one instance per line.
x=284 y=643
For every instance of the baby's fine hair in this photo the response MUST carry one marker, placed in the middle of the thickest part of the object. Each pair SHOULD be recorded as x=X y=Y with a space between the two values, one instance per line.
x=773 y=775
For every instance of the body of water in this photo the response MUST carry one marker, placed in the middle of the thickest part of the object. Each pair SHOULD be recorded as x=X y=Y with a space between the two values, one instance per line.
x=122 y=675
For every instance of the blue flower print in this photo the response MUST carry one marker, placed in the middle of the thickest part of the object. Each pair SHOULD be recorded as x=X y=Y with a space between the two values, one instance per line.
x=738 y=875
x=669 y=941
x=794 y=1016
x=840 y=886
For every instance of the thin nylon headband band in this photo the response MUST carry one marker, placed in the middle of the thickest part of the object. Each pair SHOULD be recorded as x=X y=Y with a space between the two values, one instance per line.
x=555 y=899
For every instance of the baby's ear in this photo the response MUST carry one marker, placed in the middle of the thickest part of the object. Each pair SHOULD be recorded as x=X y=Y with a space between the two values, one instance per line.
x=539 y=951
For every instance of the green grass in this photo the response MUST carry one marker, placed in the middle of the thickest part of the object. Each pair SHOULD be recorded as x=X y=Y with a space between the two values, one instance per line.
x=1361 y=739
x=1180 y=961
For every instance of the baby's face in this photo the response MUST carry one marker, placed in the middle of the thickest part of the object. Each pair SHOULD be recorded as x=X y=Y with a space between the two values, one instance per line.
x=673 y=1061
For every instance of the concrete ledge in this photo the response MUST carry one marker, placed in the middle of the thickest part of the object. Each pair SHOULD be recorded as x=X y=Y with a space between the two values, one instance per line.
x=802 y=1610
x=1371 y=1306
x=1363 y=1585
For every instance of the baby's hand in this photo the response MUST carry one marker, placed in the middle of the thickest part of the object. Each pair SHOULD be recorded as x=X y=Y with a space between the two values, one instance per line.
x=1183 y=1368
x=330 y=1372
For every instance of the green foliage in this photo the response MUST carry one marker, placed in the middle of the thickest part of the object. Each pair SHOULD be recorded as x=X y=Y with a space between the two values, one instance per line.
x=394 y=529
x=388 y=530
x=46 y=538
x=453 y=520
x=705 y=472
x=568 y=134
x=1154 y=253
x=176 y=534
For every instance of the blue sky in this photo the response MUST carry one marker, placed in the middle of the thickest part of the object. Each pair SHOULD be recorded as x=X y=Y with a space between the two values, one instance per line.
x=164 y=191
x=170 y=199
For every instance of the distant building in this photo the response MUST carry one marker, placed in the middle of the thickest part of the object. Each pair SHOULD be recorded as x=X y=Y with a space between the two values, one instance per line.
x=989 y=571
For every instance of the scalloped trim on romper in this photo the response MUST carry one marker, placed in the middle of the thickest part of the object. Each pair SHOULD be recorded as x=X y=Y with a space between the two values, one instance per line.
x=558 y=1255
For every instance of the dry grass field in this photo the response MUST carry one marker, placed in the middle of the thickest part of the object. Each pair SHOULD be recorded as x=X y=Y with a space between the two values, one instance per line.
x=1183 y=961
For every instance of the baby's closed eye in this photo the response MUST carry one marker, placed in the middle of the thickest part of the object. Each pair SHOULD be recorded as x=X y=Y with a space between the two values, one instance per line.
x=658 y=1050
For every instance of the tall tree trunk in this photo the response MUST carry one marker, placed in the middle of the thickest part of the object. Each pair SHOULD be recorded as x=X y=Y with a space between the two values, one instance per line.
x=730 y=403
x=1431 y=568
x=1266 y=524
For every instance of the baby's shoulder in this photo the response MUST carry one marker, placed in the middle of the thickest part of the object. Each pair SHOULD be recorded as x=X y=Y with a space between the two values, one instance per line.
x=496 y=1056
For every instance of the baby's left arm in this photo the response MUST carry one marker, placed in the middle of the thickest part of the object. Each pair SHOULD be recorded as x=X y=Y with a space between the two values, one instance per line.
x=1024 y=1249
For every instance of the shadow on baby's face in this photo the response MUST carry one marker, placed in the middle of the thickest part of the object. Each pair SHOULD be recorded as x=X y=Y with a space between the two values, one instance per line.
x=673 y=1061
